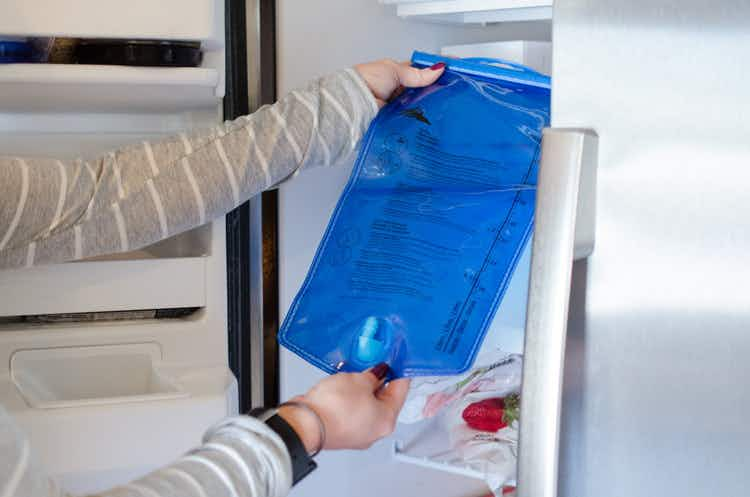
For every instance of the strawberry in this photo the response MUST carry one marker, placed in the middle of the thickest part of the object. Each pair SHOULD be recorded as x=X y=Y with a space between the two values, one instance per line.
x=505 y=491
x=492 y=414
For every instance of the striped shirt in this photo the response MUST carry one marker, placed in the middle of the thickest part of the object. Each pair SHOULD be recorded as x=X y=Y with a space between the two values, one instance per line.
x=61 y=210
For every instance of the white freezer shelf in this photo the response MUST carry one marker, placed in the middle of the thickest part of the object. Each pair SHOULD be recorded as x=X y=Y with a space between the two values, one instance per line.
x=89 y=88
x=101 y=286
x=464 y=470
x=141 y=19
x=473 y=11
x=428 y=463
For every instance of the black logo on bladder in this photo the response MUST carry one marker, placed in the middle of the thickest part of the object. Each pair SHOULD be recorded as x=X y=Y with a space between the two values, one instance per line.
x=417 y=114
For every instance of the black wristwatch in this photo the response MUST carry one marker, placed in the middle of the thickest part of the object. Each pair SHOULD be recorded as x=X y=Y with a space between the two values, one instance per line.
x=302 y=463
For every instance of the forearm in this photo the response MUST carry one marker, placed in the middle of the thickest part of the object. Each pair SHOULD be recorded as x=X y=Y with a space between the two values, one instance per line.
x=52 y=211
x=240 y=457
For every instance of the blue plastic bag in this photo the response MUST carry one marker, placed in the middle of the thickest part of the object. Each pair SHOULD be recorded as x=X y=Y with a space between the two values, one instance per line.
x=427 y=233
x=15 y=51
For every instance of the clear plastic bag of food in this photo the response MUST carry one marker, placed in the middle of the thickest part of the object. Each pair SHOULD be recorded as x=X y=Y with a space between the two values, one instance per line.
x=471 y=427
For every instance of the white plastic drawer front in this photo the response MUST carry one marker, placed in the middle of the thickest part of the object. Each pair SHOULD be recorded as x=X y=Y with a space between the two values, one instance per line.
x=164 y=19
x=104 y=286
x=89 y=88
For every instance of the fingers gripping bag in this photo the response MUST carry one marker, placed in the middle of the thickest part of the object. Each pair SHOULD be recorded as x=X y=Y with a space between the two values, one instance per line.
x=425 y=237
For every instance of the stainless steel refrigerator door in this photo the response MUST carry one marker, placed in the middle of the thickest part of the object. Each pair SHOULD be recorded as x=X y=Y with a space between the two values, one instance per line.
x=655 y=395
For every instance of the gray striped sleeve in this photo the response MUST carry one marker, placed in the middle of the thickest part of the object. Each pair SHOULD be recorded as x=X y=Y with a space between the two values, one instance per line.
x=239 y=457
x=54 y=211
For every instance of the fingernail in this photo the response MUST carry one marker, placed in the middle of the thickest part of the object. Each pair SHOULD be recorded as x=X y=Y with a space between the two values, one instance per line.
x=380 y=371
x=437 y=67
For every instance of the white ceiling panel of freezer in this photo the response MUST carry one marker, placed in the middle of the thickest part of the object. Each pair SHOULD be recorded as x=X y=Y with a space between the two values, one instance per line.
x=197 y=20
x=473 y=11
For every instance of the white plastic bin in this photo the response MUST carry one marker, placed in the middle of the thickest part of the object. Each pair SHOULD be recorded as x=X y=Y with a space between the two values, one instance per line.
x=79 y=376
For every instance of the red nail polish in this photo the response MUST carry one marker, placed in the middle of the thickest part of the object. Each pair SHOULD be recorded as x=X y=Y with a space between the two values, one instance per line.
x=380 y=371
x=438 y=66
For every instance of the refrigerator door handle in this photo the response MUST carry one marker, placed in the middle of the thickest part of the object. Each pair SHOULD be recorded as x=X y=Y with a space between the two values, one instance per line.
x=564 y=231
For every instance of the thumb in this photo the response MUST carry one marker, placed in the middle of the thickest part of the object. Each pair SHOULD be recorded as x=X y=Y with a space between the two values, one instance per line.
x=411 y=77
x=376 y=375
x=394 y=394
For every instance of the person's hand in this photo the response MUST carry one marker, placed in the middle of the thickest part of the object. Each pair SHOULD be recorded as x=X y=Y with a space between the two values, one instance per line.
x=386 y=77
x=356 y=409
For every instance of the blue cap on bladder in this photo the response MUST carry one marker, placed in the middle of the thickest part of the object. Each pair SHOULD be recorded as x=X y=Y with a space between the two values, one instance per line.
x=369 y=344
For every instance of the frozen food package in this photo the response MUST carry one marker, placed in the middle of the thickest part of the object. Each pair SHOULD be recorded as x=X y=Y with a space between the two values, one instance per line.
x=471 y=427
x=430 y=396
x=428 y=232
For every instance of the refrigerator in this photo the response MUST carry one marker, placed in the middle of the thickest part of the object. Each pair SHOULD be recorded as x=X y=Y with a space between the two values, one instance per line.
x=116 y=365
x=635 y=306
x=641 y=184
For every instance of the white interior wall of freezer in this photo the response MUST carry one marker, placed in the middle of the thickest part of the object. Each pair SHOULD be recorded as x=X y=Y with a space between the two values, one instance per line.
x=106 y=401
x=534 y=54
x=310 y=45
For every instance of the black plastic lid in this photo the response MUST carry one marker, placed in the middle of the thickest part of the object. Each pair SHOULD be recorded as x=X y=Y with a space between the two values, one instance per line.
x=139 y=53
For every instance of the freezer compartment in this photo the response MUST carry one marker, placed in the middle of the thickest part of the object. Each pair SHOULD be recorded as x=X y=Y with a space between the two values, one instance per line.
x=453 y=440
x=441 y=441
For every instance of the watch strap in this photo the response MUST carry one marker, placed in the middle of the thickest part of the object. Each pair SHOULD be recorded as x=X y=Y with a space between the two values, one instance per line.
x=302 y=463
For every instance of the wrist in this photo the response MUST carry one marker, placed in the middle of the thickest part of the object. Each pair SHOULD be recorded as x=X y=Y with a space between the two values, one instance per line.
x=302 y=461
x=305 y=422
